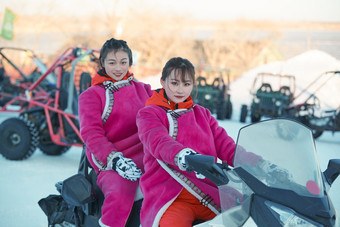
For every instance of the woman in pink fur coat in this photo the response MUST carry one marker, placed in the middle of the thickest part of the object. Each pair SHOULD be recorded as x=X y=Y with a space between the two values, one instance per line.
x=107 y=115
x=170 y=127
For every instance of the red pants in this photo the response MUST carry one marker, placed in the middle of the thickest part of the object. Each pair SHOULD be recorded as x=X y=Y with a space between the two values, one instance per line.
x=184 y=210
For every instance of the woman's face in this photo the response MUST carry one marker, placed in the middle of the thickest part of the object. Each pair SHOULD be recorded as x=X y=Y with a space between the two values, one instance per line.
x=116 y=64
x=176 y=89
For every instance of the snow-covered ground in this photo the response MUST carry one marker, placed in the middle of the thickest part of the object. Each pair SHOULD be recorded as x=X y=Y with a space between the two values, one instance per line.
x=24 y=183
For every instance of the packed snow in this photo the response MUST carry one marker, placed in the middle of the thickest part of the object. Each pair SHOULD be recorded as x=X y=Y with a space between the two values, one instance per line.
x=24 y=183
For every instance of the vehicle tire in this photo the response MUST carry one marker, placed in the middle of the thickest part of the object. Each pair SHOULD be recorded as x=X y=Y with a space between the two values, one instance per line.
x=306 y=121
x=18 y=138
x=53 y=149
x=244 y=112
x=316 y=133
x=85 y=81
x=47 y=146
x=229 y=109
x=255 y=117
x=220 y=109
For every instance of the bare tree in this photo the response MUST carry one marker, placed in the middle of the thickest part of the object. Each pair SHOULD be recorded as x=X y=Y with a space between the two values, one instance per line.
x=157 y=36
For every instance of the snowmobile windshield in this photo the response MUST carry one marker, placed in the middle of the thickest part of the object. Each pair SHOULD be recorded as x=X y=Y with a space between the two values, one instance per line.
x=281 y=154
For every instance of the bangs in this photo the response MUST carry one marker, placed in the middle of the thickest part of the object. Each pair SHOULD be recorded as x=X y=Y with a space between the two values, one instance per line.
x=184 y=74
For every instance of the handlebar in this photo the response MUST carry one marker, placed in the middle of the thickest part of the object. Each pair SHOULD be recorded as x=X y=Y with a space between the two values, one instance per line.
x=205 y=164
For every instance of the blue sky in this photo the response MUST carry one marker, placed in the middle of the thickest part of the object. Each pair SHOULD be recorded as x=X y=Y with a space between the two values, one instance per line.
x=277 y=10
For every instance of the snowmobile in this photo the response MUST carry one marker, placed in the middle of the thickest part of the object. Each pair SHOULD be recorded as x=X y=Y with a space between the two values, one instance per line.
x=285 y=188
x=80 y=200
x=282 y=194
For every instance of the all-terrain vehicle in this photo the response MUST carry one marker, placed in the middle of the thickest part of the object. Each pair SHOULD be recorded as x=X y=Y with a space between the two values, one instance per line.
x=19 y=68
x=272 y=94
x=48 y=115
x=292 y=191
x=311 y=112
x=214 y=96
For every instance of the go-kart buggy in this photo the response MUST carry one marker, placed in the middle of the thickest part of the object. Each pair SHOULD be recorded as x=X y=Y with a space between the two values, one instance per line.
x=214 y=96
x=272 y=94
x=283 y=194
x=19 y=68
x=48 y=115
x=310 y=112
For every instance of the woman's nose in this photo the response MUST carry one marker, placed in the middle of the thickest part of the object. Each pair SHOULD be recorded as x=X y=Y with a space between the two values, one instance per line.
x=180 y=88
x=118 y=67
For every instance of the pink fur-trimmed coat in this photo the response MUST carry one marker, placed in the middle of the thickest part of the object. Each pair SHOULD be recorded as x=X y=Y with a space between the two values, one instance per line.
x=119 y=132
x=107 y=119
x=165 y=133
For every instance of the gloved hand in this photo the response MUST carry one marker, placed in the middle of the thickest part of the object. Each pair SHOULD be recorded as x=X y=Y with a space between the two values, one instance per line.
x=181 y=163
x=125 y=167
x=275 y=172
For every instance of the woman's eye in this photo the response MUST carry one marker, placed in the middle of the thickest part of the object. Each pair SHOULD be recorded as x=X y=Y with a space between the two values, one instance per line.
x=174 y=83
x=187 y=84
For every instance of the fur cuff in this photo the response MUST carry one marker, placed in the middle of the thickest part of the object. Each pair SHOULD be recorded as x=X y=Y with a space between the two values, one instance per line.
x=180 y=158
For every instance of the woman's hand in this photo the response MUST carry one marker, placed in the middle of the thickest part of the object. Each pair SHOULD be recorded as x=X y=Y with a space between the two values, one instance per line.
x=126 y=168
x=181 y=162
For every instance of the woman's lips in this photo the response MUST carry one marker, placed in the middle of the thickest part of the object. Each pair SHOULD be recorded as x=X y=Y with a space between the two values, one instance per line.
x=179 y=97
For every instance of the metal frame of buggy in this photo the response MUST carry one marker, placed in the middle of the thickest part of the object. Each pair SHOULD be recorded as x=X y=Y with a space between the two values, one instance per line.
x=305 y=111
x=37 y=103
x=6 y=97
